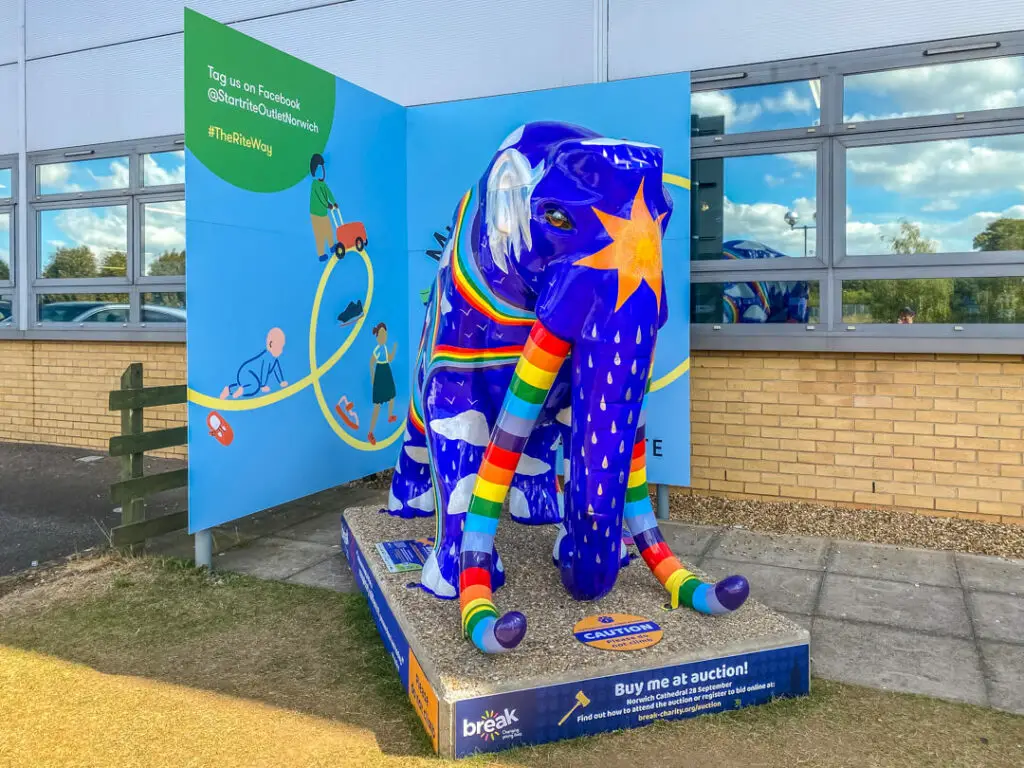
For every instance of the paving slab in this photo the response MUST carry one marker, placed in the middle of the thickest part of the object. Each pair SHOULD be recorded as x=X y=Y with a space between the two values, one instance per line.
x=322 y=529
x=997 y=617
x=273 y=557
x=332 y=573
x=782 y=589
x=787 y=551
x=1004 y=666
x=686 y=540
x=932 y=609
x=897 y=660
x=881 y=561
x=993 y=574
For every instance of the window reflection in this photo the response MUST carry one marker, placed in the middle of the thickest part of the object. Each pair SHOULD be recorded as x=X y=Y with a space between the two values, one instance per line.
x=773 y=301
x=83 y=242
x=163 y=237
x=6 y=239
x=6 y=183
x=946 y=196
x=755 y=207
x=163 y=168
x=92 y=175
x=6 y=310
x=771 y=107
x=934 y=300
x=964 y=86
x=82 y=308
x=164 y=307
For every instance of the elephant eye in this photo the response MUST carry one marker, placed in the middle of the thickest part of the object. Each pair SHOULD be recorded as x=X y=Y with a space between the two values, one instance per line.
x=558 y=218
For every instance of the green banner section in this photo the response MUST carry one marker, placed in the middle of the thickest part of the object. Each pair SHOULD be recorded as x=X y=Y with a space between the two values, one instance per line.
x=253 y=114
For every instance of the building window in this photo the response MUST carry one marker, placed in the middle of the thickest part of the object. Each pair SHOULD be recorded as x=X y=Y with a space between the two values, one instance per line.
x=8 y=221
x=861 y=200
x=108 y=238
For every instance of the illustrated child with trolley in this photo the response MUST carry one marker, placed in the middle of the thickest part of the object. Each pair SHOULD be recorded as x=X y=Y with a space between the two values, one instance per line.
x=330 y=233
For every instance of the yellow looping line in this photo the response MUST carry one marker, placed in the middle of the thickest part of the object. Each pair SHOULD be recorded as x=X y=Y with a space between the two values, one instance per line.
x=671 y=376
x=317 y=370
x=360 y=445
x=676 y=180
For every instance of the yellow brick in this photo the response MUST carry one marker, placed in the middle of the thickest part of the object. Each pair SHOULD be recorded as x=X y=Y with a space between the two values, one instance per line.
x=834 y=495
x=864 y=497
x=999 y=508
x=956 y=505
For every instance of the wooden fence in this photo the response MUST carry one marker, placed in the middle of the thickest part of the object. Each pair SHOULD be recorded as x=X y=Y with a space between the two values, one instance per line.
x=131 y=445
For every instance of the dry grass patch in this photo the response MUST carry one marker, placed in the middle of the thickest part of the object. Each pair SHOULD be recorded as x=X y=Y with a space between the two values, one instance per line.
x=148 y=662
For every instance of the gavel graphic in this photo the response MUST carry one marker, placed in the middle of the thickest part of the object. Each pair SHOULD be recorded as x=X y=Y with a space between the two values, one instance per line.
x=581 y=701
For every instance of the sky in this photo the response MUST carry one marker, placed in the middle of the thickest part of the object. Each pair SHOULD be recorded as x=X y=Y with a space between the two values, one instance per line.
x=952 y=188
x=105 y=228
x=5 y=219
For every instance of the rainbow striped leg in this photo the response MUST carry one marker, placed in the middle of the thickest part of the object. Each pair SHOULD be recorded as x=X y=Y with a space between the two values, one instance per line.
x=535 y=373
x=683 y=587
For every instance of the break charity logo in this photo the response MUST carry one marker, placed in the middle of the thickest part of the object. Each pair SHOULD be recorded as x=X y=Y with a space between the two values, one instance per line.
x=491 y=725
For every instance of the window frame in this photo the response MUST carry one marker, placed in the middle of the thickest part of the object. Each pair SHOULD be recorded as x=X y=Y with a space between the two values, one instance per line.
x=753 y=149
x=135 y=282
x=832 y=266
x=9 y=205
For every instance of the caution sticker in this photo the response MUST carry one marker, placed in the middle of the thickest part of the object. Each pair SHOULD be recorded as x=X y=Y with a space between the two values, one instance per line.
x=617 y=632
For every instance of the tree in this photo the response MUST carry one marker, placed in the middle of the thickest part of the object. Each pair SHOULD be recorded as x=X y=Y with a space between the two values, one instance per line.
x=1001 y=235
x=5 y=271
x=71 y=262
x=115 y=264
x=169 y=263
x=909 y=240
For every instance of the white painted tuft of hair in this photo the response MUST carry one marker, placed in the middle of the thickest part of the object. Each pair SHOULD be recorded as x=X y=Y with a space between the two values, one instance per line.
x=510 y=186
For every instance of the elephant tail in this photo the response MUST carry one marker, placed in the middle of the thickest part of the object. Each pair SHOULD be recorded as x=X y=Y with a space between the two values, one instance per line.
x=684 y=588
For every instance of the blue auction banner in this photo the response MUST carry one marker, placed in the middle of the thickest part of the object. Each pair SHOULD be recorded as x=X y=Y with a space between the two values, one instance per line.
x=540 y=715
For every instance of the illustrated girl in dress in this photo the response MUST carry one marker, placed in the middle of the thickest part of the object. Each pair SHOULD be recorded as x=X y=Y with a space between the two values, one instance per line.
x=382 y=380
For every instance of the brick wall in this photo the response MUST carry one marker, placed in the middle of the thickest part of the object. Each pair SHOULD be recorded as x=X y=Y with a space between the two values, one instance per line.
x=934 y=433
x=943 y=434
x=56 y=391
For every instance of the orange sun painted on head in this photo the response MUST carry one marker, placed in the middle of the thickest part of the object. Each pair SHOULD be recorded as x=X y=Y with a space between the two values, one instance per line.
x=635 y=249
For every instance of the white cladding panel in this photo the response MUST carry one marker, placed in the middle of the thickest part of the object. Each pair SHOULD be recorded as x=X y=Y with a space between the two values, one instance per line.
x=649 y=37
x=9 y=142
x=58 y=26
x=122 y=92
x=420 y=51
x=10 y=32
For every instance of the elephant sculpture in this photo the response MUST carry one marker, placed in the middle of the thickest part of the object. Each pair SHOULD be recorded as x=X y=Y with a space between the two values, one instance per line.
x=541 y=327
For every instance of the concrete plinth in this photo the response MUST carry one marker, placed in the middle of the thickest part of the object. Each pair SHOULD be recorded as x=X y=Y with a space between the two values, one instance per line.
x=553 y=686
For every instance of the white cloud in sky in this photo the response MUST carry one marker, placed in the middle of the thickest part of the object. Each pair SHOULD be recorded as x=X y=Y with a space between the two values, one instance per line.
x=954 y=236
x=101 y=229
x=709 y=103
x=940 y=169
x=765 y=223
x=54 y=177
x=942 y=88
x=164 y=228
x=116 y=179
x=157 y=176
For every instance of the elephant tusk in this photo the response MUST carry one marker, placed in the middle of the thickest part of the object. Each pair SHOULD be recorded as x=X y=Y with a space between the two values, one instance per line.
x=535 y=373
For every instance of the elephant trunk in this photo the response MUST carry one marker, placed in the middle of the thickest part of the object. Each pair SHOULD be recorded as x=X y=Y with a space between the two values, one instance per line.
x=535 y=373
x=609 y=375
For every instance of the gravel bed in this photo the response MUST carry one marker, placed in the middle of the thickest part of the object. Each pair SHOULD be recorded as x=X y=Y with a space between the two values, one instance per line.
x=549 y=652
x=880 y=526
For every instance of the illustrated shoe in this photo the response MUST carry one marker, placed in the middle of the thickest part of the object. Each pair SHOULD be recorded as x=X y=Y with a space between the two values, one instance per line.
x=324 y=256
x=346 y=412
x=351 y=313
x=392 y=419
x=371 y=438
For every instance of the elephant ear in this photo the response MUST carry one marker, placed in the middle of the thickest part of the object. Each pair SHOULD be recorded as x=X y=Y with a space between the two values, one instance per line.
x=510 y=185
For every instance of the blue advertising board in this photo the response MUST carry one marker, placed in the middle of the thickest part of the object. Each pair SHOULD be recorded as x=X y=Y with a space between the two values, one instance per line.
x=550 y=713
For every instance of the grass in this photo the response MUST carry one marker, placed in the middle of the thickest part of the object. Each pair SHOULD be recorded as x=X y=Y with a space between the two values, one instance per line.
x=148 y=662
